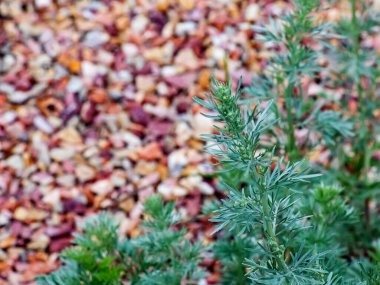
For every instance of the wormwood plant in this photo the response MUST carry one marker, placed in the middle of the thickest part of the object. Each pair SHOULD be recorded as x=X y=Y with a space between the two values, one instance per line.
x=162 y=255
x=290 y=235
x=230 y=250
x=278 y=224
x=330 y=216
x=265 y=209
x=357 y=70
x=293 y=38
x=261 y=205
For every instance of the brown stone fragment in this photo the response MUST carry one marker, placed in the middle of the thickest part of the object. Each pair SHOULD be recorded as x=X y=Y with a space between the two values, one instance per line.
x=59 y=244
x=98 y=96
x=151 y=151
x=204 y=79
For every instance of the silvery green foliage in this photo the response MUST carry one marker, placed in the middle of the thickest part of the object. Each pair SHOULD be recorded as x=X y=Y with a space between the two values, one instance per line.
x=293 y=38
x=92 y=260
x=355 y=67
x=274 y=226
x=266 y=208
x=162 y=255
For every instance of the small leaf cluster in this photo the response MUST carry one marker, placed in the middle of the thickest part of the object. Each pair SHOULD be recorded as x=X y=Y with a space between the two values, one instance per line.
x=235 y=146
x=232 y=252
x=92 y=259
x=162 y=255
x=353 y=60
x=356 y=69
x=295 y=36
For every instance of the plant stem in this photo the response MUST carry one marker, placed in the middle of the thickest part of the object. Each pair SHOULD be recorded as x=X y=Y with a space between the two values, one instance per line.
x=354 y=22
x=289 y=117
x=362 y=110
x=268 y=227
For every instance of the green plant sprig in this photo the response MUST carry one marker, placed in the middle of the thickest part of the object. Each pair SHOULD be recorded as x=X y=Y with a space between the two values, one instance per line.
x=294 y=35
x=162 y=255
x=358 y=68
x=265 y=209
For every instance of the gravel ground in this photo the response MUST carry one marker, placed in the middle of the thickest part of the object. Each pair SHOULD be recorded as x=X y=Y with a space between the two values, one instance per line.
x=96 y=112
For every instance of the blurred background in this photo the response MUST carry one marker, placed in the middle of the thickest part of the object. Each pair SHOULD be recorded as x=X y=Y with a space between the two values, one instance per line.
x=97 y=113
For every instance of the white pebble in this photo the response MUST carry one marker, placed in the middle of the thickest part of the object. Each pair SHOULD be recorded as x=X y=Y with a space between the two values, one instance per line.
x=43 y=3
x=15 y=162
x=75 y=84
x=184 y=28
x=96 y=38
x=61 y=154
x=102 y=187
x=42 y=124
x=252 y=12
